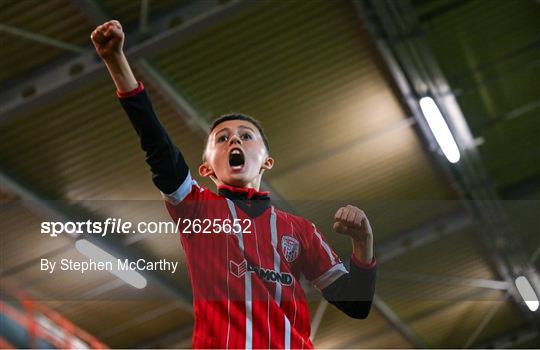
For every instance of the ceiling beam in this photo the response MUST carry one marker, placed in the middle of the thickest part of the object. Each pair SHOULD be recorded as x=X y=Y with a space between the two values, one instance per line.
x=143 y=18
x=427 y=233
x=151 y=315
x=42 y=39
x=445 y=280
x=490 y=314
x=74 y=74
x=511 y=340
x=92 y=10
x=397 y=323
x=317 y=318
x=417 y=317
x=397 y=34
x=59 y=211
x=180 y=104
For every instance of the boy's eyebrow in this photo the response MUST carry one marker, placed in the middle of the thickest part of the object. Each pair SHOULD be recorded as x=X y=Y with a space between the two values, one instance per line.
x=246 y=127
x=220 y=130
x=239 y=126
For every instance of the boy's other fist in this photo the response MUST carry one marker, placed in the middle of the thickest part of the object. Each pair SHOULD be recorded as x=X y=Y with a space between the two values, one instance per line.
x=352 y=221
x=108 y=39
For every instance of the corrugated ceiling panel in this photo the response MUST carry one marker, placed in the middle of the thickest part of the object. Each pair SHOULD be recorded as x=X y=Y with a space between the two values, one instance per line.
x=489 y=52
x=87 y=148
x=57 y=19
x=526 y=221
x=307 y=61
x=512 y=148
x=468 y=26
x=424 y=304
x=492 y=91
x=337 y=331
x=20 y=232
x=21 y=248
x=111 y=318
x=130 y=11
x=441 y=258
x=151 y=325
x=308 y=72
x=452 y=326
x=390 y=167
x=387 y=218
x=531 y=343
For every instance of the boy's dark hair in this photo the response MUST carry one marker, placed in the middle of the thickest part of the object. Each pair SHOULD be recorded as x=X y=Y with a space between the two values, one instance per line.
x=239 y=116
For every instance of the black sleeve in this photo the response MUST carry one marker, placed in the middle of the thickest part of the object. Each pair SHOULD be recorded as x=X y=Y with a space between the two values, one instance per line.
x=353 y=293
x=169 y=169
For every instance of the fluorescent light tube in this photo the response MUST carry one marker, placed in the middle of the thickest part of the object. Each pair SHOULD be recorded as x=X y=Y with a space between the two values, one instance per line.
x=92 y=251
x=440 y=129
x=527 y=293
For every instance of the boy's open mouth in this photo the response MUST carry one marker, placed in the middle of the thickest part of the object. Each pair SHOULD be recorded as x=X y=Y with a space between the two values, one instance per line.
x=236 y=159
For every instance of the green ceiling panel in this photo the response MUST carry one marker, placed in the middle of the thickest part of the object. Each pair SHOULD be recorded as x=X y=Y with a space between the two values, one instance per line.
x=308 y=71
x=512 y=149
x=489 y=52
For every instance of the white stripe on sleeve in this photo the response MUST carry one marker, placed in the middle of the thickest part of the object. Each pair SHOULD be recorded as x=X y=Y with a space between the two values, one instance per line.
x=183 y=190
x=330 y=276
x=325 y=247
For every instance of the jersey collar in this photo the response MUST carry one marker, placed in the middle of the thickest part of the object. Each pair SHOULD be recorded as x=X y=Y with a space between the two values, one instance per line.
x=251 y=201
x=241 y=192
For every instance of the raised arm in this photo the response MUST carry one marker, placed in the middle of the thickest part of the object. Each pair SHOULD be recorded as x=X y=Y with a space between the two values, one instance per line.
x=108 y=39
x=353 y=293
x=169 y=170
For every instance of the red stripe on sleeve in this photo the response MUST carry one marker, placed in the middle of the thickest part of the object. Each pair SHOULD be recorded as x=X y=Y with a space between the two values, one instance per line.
x=362 y=265
x=138 y=89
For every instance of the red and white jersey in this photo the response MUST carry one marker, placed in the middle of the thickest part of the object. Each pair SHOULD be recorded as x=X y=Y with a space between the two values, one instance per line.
x=246 y=289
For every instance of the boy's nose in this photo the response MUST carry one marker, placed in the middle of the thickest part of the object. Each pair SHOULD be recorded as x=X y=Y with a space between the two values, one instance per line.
x=235 y=139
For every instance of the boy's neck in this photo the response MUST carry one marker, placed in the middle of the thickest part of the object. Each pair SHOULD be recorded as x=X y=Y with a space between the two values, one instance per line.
x=255 y=184
x=248 y=192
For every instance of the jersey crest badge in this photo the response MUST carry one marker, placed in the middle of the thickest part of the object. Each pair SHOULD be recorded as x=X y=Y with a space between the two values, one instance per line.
x=290 y=247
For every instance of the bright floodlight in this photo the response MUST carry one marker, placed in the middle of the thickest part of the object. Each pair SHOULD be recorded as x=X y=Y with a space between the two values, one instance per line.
x=527 y=293
x=94 y=252
x=440 y=129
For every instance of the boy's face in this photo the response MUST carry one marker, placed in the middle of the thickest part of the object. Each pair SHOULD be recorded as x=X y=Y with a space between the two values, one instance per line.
x=235 y=155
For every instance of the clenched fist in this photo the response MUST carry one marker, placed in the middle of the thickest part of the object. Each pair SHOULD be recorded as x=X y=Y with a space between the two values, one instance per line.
x=108 y=39
x=353 y=222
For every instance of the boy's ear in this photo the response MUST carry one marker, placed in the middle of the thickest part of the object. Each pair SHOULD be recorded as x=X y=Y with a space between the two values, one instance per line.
x=268 y=164
x=206 y=171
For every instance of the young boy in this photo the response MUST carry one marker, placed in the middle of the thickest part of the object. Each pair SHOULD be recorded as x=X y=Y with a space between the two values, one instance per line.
x=245 y=273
